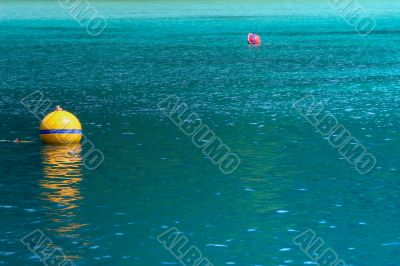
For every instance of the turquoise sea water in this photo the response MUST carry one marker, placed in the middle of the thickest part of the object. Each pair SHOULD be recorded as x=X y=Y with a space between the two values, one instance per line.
x=153 y=177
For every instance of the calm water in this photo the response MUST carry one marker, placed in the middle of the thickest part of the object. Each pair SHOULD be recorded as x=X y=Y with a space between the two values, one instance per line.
x=153 y=177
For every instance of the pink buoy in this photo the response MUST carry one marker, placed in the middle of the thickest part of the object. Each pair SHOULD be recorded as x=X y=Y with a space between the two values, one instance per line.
x=253 y=39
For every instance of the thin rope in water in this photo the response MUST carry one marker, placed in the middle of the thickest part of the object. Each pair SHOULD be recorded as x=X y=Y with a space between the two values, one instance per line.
x=16 y=141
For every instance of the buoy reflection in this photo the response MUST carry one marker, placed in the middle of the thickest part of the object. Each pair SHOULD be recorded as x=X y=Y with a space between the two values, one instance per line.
x=62 y=169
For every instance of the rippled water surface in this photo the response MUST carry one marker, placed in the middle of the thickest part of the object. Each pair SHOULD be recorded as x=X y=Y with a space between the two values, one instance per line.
x=153 y=177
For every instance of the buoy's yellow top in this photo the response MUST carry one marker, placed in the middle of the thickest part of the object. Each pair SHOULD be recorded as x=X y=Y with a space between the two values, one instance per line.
x=60 y=120
x=60 y=127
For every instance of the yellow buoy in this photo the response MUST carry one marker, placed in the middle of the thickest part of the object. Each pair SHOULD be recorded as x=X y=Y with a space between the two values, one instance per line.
x=60 y=127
